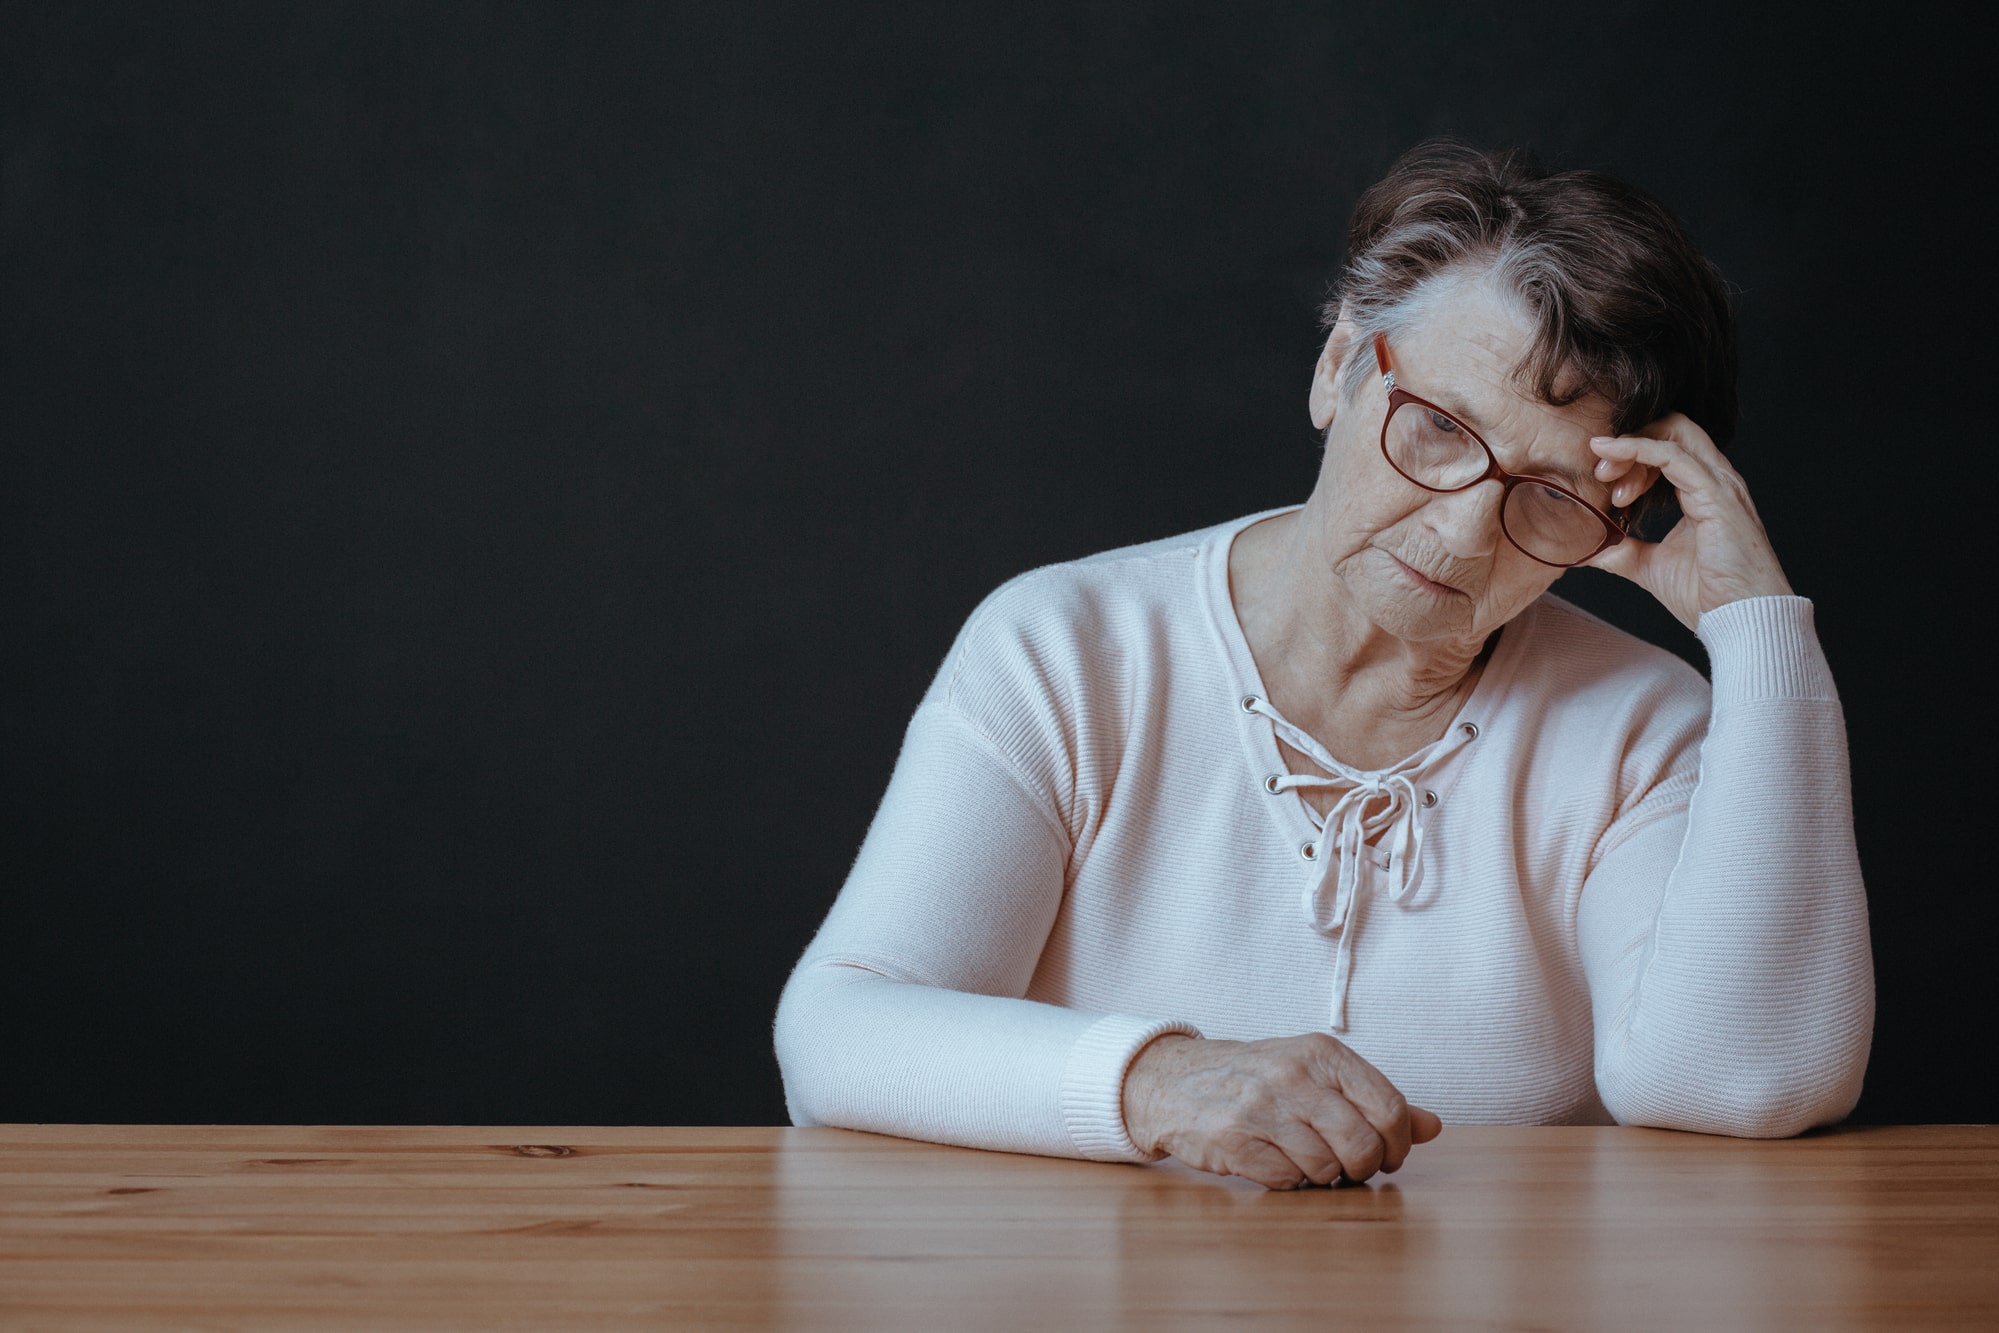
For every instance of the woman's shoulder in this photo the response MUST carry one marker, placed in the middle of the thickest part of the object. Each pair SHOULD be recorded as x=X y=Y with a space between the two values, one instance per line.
x=1088 y=622
x=1579 y=657
x=1147 y=572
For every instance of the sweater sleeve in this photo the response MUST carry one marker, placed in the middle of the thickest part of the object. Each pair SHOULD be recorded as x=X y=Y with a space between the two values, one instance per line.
x=905 y=1015
x=1724 y=937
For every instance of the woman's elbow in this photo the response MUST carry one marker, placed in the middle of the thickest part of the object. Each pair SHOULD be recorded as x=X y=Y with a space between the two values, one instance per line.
x=793 y=1038
x=1783 y=1107
x=813 y=1034
x=1771 y=1101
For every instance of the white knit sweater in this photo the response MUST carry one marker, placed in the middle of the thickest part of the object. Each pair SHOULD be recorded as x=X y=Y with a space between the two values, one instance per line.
x=1593 y=900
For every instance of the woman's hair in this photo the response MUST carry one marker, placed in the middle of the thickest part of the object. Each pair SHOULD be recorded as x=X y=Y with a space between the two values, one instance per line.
x=1623 y=304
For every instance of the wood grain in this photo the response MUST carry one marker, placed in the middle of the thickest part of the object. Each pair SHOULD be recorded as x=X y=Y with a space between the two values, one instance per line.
x=363 y=1227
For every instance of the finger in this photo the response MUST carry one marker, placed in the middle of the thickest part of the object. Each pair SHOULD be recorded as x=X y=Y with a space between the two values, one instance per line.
x=1692 y=472
x=1361 y=1147
x=1308 y=1151
x=1377 y=1101
x=1268 y=1165
x=1627 y=478
x=1610 y=469
x=1633 y=485
x=1675 y=426
x=1424 y=1125
x=1709 y=488
x=1623 y=558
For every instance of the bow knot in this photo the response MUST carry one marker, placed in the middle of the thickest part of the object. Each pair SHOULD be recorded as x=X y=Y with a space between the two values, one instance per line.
x=1371 y=805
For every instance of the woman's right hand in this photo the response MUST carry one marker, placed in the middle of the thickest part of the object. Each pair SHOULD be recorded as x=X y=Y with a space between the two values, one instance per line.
x=1282 y=1112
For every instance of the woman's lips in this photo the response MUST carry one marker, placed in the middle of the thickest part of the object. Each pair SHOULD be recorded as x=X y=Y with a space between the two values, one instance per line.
x=1424 y=581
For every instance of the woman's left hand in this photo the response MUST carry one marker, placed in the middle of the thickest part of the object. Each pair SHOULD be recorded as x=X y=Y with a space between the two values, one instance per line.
x=1718 y=552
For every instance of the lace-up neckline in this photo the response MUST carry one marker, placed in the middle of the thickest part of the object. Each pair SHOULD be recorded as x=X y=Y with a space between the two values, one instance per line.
x=1375 y=812
x=1384 y=801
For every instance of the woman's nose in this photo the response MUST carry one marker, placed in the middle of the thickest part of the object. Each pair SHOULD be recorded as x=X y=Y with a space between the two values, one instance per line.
x=1467 y=521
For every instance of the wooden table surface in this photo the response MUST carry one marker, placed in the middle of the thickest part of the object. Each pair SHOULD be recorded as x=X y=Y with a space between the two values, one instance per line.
x=353 y=1227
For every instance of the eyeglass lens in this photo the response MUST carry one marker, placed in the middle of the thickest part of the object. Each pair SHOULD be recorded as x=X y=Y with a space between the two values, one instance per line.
x=1434 y=452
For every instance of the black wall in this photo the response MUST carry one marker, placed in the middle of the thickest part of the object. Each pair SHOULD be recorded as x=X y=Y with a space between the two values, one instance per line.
x=486 y=486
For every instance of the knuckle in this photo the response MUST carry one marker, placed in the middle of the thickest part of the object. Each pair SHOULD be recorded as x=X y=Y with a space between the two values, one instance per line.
x=1364 y=1161
x=1266 y=1166
x=1324 y=1173
x=1320 y=1050
x=1255 y=1104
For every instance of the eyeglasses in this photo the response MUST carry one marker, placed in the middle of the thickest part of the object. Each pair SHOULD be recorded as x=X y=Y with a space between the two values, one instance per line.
x=1440 y=453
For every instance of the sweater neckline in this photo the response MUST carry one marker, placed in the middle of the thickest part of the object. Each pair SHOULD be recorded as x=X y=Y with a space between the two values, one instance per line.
x=1260 y=744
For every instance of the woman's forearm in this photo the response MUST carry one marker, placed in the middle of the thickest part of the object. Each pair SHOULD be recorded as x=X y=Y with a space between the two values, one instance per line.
x=863 y=1051
x=906 y=1014
x=1736 y=996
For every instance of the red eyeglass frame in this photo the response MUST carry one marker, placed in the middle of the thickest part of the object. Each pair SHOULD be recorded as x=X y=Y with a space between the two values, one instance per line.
x=1614 y=530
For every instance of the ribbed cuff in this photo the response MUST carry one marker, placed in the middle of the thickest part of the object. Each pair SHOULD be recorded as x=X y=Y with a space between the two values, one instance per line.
x=1765 y=648
x=1093 y=1085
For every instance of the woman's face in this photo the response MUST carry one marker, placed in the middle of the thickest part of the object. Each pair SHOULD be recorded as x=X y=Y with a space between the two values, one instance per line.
x=1436 y=568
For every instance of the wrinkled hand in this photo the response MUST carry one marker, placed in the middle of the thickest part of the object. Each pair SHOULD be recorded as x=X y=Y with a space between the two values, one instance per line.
x=1718 y=552
x=1284 y=1112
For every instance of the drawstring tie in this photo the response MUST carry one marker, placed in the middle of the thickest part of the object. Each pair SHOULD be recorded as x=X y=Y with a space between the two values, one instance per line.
x=1371 y=803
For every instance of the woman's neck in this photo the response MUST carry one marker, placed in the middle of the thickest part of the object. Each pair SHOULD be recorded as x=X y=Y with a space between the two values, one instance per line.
x=1371 y=699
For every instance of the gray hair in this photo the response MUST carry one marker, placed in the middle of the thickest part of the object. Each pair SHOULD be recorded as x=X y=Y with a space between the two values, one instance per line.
x=1622 y=303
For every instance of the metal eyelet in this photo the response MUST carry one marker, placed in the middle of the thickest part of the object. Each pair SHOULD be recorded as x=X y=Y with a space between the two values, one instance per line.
x=1270 y=783
x=1310 y=851
x=1471 y=729
x=1249 y=703
x=1429 y=799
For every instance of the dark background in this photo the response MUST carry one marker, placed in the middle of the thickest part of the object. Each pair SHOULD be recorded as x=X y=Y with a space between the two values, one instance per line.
x=486 y=486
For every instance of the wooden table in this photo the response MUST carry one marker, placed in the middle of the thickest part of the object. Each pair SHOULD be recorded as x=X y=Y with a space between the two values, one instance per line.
x=353 y=1227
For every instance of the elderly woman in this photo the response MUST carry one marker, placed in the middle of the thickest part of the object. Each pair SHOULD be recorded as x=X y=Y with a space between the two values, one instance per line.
x=1269 y=845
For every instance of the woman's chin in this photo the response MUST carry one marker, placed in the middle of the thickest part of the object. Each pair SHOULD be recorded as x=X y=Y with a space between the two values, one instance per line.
x=1420 y=616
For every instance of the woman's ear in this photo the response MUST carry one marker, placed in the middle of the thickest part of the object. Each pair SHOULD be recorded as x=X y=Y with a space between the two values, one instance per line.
x=1325 y=395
